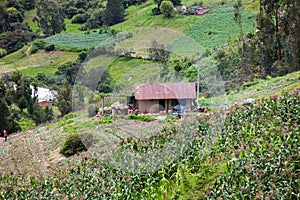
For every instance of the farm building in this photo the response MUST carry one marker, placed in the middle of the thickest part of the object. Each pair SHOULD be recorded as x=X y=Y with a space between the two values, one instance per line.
x=164 y=97
x=45 y=96
x=200 y=10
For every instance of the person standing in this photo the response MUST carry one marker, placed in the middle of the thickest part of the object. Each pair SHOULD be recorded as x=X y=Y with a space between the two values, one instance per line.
x=5 y=135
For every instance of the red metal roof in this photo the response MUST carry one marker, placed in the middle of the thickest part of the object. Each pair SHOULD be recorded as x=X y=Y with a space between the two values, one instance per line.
x=181 y=90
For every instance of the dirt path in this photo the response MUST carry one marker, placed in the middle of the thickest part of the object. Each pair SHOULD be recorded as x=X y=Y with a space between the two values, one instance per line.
x=28 y=51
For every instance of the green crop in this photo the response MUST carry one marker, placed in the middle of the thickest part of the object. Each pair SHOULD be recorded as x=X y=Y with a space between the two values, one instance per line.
x=80 y=40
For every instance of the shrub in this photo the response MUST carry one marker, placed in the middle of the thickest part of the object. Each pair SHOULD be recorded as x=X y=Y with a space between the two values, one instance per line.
x=73 y=145
x=37 y=45
x=144 y=118
x=80 y=18
x=3 y=52
x=105 y=119
x=50 y=47
x=92 y=110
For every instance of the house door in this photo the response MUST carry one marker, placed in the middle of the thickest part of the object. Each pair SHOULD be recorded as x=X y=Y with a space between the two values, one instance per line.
x=162 y=105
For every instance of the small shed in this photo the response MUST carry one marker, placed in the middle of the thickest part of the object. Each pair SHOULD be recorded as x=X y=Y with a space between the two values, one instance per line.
x=158 y=97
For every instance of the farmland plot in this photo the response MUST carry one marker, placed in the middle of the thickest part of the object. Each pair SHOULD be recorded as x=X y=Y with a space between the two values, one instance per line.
x=80 y=40
x=218 y=26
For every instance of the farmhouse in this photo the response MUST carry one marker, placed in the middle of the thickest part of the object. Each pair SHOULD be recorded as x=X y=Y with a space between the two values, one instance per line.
x=200 y=10
x=44 y=96
x=164 y=97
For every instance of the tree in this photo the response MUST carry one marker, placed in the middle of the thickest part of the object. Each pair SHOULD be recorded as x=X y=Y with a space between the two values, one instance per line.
x=49 y=17
x=28 y=4
x=159 y=52
x=14 y=15
x=64 y=98
x=69 y=70
x=167 y=8
x=291 y=23
x=4 y=110
x=114 y=12
x=238 y=8
x=4 y=22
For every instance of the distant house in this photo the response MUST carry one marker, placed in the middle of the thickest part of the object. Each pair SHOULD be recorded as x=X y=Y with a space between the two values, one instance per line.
x=200 y=10
x=160 y=97
x=45 y=96
x=45 y=103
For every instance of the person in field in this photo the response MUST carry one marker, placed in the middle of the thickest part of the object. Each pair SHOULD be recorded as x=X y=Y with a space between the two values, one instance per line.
x=5 y=135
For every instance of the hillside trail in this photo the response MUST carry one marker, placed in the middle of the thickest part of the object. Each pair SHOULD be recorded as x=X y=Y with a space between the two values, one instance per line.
x=28 y=51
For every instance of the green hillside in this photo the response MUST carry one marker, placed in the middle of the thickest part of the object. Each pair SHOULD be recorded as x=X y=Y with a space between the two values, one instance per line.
x=246 y=146
x=42 y=61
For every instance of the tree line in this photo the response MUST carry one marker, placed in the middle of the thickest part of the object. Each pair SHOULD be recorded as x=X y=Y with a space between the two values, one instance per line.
x=272 y=50
x=18 y=99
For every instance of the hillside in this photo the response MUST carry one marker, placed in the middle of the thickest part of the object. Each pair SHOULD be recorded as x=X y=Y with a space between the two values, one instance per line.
x=139 y=18
x=205 y=169
x=244 y=56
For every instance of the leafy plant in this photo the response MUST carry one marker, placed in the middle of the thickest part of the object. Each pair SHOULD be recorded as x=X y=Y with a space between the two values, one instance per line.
x=144 y=118
x=73 y=145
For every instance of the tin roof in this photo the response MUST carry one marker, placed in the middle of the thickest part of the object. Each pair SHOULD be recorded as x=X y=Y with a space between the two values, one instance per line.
x=181 y=90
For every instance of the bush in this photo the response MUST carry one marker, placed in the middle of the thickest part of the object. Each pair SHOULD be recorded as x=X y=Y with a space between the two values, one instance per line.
x=80 y=18
x=72 y=145
x=92 y=111
x=144 y=118
x=50 y=47
x=3 y=52
x=167 y=8
x=37 y=45
x=105 y=119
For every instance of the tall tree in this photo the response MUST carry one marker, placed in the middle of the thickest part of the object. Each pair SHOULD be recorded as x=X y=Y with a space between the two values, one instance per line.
x=64 y=98
x=114 y=12
x=291 y=24
x=4 y=22
x=167 y=8
x=238 y=8
x=49 y=17
x=4 y=110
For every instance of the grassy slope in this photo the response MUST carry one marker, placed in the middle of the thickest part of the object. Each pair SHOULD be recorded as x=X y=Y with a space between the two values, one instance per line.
x=218 y=26
x=267 y=88
x=46 y=62
x=258 y=89
x=28 y=17
x=44 y=143
x=139 y=17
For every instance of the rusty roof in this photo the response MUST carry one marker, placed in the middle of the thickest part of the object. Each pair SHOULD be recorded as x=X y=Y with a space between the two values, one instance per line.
x=181 y=90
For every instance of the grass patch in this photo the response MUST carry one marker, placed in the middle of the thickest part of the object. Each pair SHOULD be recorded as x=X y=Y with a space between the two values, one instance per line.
x=260 y=89
x=135 y=70
x=28 y=17
x=42 y=61
x=72 y=28
x=143 y=118
x=141 y=17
